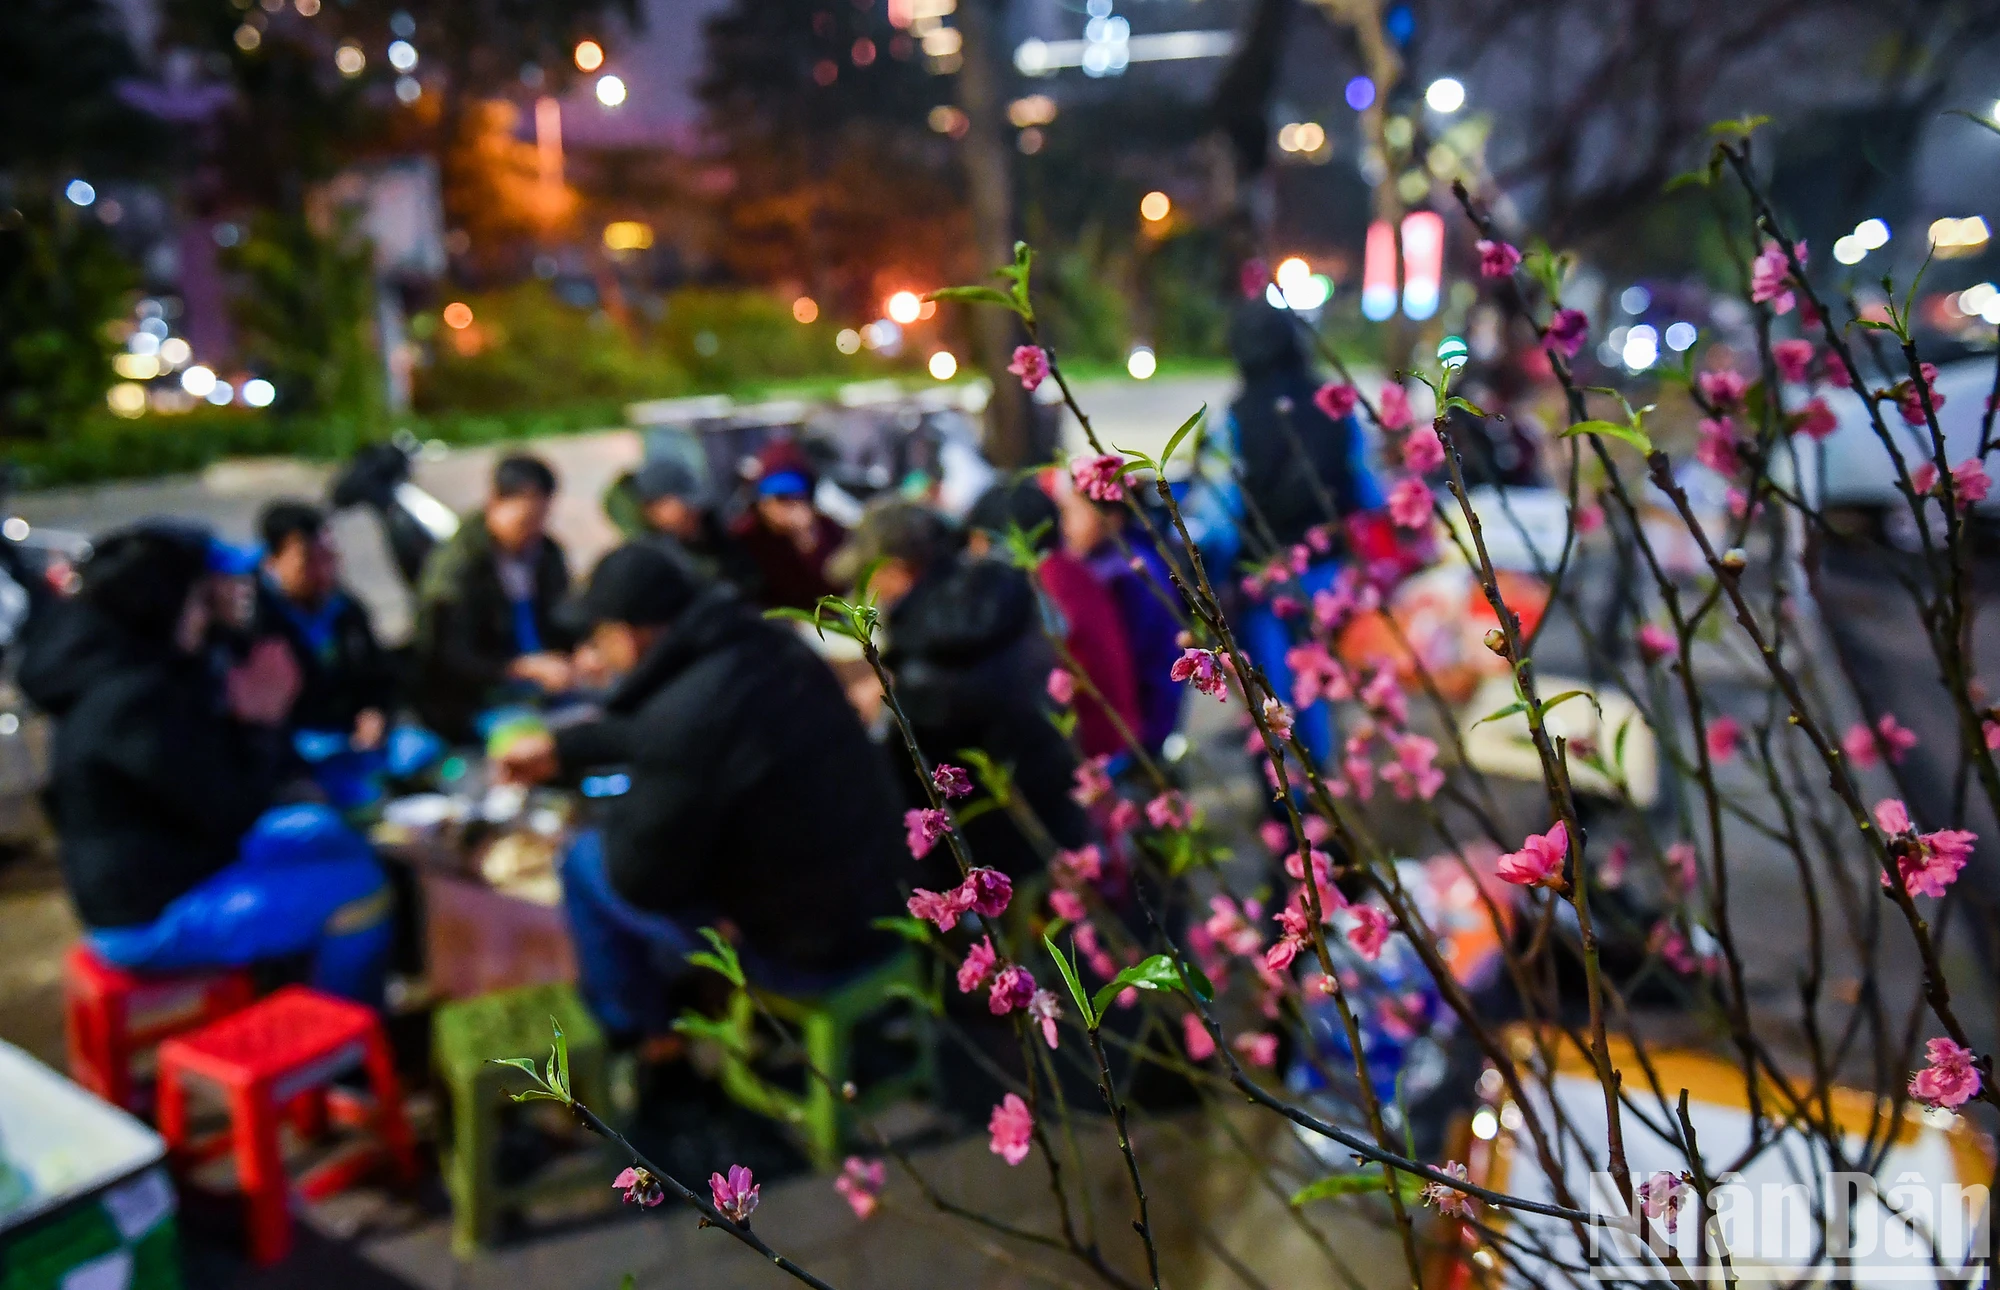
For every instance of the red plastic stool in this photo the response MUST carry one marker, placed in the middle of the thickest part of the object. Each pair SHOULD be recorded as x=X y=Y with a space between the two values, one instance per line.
x=273 y=1061
x=110 y=1015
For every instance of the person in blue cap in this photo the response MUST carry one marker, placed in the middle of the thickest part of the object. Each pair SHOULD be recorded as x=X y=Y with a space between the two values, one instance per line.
x=789 y=539
x=167 y=772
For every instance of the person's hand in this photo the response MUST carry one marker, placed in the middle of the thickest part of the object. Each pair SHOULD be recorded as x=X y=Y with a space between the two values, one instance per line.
x=528 y=759
x=587 y=666
x=369 y=727
x=551 y=672
x=261 y=688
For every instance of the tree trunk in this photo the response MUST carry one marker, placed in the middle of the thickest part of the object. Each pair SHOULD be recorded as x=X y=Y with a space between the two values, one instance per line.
x=989 y=183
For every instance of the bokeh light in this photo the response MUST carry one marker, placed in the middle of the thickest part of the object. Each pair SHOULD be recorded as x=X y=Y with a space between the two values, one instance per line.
x=943 y=365
x=589 y=55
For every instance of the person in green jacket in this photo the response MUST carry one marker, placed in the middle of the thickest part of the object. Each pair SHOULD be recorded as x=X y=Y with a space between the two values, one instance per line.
x=487 y=618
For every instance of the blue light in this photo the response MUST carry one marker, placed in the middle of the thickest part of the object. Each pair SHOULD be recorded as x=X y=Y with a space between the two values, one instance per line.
x=616 y=785
x=1360 y=93
x=80 y=193
x=1420 y=300
x=1378 y=304
x=1400 y=23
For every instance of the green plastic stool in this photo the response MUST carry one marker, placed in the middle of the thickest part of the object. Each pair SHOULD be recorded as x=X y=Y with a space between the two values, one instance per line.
x=512 y=1023
x=825 y=1026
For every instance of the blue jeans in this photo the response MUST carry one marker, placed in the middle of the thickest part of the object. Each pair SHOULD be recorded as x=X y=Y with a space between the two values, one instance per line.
x=628 y=958
x=303 y=883
x=1268 y=637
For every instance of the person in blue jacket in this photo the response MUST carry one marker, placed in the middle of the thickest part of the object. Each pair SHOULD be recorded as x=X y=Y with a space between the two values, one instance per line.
x=1299 y=470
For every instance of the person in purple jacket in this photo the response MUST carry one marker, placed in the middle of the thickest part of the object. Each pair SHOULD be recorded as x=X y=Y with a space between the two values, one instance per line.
x=1121 y=554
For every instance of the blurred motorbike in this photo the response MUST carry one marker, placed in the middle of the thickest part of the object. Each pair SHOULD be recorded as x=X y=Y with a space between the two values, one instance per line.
x=414 y=521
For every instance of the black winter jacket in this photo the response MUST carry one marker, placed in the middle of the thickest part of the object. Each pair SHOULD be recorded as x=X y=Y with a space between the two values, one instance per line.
x=153 y=784
x=343 y=669
x=756 y=795
x=465 y=635
x=971 y=666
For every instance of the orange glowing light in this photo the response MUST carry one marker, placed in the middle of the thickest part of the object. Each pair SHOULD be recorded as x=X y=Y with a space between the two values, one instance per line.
x=589 y=55
x=805 y=309
x=458 y=315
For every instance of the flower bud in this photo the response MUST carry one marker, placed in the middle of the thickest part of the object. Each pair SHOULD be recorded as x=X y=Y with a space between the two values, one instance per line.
x=1496 y=640
x=1734 y=559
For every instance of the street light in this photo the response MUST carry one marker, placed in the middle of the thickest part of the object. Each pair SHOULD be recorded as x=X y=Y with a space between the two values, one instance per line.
x=589 y=55
x=610 y=91
x=904 y=307
x=1155 y=206
x=1445 y=95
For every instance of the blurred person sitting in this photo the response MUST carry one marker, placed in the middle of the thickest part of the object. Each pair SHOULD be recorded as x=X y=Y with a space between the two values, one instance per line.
x=164 y=781
x=756 y=799
x=666 y=500
x=1119 y=552
x=970 y=665
x=1083 y=613
x=346 y=684
x=1297 y=462
x=788 y=538
x=487 y=604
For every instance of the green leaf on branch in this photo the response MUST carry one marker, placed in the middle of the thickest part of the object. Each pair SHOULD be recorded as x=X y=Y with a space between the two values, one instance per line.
x=1360 y=1182
x=559 y=1060
x=1741 y=128
x=723 y=961
x=1466 y=406
x=1156 y=973
x=1070 y=979
x=1612 y=430
x=1501 y=714
x=722 y=1033
x=974 y=296
x=1187 y=426
x=914 y=930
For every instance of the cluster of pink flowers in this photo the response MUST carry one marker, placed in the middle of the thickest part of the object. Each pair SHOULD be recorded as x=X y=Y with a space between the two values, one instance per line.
x=1031 y=364
x=1496 y=259
x=1723 y=389
x=1716 y=446
x=923 y=827
x=1091 y=783
x=985 y=892
x=1815 y=420
x=1097 y=477
x=1392 y=408
x=1950 y=1080
x=1337 y=399
x=734 y=1194
x=1012 y=1127
x=1568 y=329
x=860 y=1185
x=1204 y=669
x=1927 y=863
x=1539 y=862
x=1169 y=810
x=1793 y=359
x=1667 y=941
x=1910 y=399
x=1316 y=675
x=1770 y=275
x=1413 y=773
x=1969 y=481
x=1410 y=503
x=1861 y=745
x=1422 y=453
x=951 y=781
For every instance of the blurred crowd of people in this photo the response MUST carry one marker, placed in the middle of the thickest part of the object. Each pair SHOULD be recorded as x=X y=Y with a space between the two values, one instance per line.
x=768 y=788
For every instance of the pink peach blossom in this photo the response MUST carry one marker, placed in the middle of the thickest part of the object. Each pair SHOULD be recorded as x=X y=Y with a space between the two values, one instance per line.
x=1951 y=1079
x=1195 y=1038
x=1061 y=687
x=1422 y=453
x=860 y=1185
x=1816 y=420
x=1496 y=259
x=979 y=961
x=1392 y=407
x=641 y=1188
x=1012 y=1127
x=1031 y=364
x=1044 y=1010
x=1539 y=862
x=1203 y=669
x=1448 y=1200
x=1369 y=932
x=1769 y=274
x=1091 y=784
x=1724 y=389
x=1410 y=503
x=1097 y=477
x=923 y=828
x=735 y=1195
x=1724 y=735
x=1793 y=359
x=1336 y=399
x=1013 y=987
x=1655 y=642
x=1568 y=329
x=951 y=781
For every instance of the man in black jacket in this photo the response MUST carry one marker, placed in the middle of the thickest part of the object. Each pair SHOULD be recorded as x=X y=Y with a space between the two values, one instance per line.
x=970 y=655
x=756 y=799
x=165 y=778
x=666 y=500
x=486 y=606
x=345 y=683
